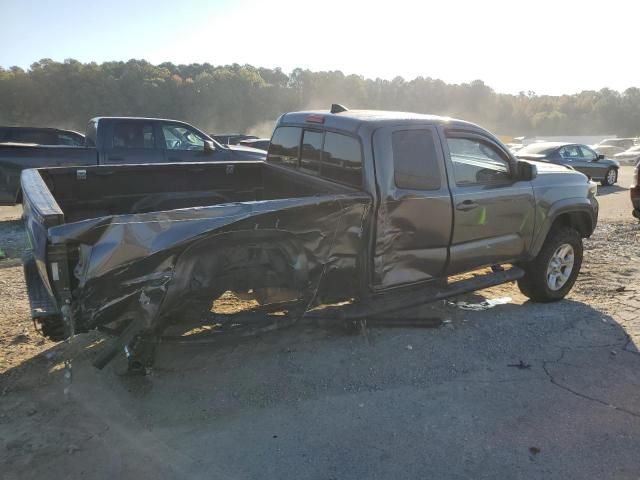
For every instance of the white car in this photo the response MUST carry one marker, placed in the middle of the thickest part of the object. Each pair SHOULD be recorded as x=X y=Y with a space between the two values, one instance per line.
x=630 y=156
x=613 y=146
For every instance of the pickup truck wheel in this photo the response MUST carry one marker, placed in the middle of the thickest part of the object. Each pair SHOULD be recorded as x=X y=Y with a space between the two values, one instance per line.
x=610 y=178
x=550 y=276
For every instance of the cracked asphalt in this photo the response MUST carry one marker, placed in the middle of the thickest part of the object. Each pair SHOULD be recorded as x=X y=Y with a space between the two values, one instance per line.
x=521 y=390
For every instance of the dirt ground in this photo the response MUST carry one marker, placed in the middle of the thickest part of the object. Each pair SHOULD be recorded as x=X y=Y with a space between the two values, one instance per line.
x=520 y=390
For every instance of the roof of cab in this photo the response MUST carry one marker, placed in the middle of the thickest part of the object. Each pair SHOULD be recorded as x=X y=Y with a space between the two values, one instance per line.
x=95 y=119
x=352 y=120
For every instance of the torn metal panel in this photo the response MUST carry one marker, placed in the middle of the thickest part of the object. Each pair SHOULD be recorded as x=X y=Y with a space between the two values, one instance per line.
x=144 y=266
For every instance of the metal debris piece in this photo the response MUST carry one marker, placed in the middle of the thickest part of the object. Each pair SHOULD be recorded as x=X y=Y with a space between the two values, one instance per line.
x=484 y=305
x=520 y=365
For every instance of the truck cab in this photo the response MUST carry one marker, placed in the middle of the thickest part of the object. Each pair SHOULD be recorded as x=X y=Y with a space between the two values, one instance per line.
x=449 y=197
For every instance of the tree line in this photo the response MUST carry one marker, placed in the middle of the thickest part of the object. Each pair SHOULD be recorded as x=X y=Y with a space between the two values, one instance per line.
x=242 y=98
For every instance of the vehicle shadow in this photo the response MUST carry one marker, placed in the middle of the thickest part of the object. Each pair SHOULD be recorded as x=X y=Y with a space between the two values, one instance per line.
x=602 y=190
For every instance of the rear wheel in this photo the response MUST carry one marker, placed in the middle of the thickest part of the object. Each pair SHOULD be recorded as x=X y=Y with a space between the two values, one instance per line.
x=610 y=177
x=550 y=276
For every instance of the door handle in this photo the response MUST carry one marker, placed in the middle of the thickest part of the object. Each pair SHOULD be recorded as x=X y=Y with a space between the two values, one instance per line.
x=466 y=205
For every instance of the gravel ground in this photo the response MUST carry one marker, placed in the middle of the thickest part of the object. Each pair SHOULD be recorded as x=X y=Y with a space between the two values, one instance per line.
x=521 y=390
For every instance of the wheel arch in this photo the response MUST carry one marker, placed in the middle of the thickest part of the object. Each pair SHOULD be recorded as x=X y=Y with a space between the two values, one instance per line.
x=567 y=213
x=234 y=260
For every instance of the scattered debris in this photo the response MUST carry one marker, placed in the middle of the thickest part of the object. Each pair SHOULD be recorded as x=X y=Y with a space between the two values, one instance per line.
x=72 y=448
x=520 y=365
x=534 y=450
x=409 y=347
x=484 y=305
x=621 y=289
x=405 y=322
x=20 y=338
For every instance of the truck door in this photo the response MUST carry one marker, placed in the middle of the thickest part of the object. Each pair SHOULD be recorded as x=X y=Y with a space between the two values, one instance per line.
x=493 y=211
x=414 y=213
x=133 y=141
x=184 y=144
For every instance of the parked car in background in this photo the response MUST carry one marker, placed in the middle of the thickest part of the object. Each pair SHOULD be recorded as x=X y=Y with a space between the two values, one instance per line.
x=41 y=136
x=118 y=140
x=580 y=157
x=260 y=143
x=630 y=156
x=231 y=138
x=612 y=146
x=635 y=191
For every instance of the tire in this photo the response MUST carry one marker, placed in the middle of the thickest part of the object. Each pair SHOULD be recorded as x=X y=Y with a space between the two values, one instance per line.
x=611 y=177
x=539 y=273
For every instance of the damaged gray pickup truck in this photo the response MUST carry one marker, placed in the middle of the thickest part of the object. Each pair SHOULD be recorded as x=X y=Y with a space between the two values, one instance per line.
x=369 y=210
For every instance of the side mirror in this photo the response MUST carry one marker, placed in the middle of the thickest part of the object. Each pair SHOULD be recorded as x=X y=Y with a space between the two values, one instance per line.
x=526 y=171
x=600 y=157
x=208 y=146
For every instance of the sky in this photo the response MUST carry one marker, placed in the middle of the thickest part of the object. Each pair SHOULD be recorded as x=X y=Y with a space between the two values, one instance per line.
x=549 y=47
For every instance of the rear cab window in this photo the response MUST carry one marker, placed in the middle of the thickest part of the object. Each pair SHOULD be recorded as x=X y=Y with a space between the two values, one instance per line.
x=91 y=133
x=311 y=151
x=331 y=155
x=285 y=146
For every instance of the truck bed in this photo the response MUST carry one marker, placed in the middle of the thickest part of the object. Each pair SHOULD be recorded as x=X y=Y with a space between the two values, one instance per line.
x=85 y=193
x=138 y=240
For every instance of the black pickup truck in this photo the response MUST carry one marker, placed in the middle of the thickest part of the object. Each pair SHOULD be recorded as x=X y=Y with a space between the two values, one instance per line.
x=41 y=136
x=375 y=209
x=118 y=140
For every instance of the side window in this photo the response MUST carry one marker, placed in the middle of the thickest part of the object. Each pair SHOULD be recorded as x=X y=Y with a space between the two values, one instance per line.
x=133 y=135
x=311 y=151
x=475 y=162
x=342 y=159
x=415 y=160
x=570 y=152
x=587 y=153
x=178 y=137
x=284 y=147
